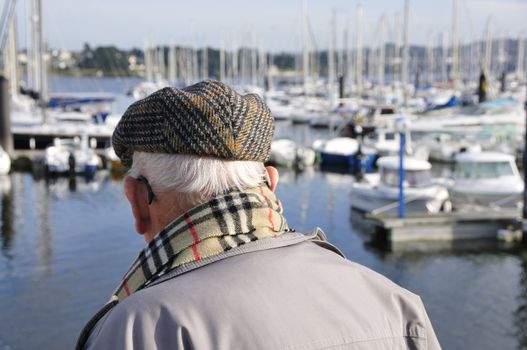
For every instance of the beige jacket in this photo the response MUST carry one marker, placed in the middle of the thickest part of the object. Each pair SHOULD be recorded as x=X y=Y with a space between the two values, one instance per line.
x=284 y=293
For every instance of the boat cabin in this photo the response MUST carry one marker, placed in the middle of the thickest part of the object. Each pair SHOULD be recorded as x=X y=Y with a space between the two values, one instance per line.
x=417 y=172
x=485 y=165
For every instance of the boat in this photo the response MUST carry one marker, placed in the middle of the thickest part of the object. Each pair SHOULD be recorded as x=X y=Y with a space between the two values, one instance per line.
x=5 y=162
x=147 y=88
x=379 y=192
x=307 y=108
x=329 y=121
x=486 y=179
x=71 y=156
x=113 y=161
x=339 y=151
x=37 y=116
x=285 y=152
x=279 y=104
x=502 y=112
x=384 y=142
x=443 y=146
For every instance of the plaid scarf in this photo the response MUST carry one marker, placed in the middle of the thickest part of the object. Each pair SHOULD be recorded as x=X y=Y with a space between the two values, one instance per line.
x=222 y=223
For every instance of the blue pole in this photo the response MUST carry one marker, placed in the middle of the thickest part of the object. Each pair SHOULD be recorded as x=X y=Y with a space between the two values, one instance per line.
x=402 y=143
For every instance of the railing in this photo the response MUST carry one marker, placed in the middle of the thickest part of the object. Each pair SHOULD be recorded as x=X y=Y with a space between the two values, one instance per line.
x=394 y=205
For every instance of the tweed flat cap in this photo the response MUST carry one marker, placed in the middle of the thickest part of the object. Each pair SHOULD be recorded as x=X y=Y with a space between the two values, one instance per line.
x=205 y=119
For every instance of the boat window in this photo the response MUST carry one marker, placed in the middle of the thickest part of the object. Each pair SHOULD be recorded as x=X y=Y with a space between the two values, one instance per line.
x=387 y=111
x=389 y=136
x=494 y=169
x=464 y=170
x=420 y=178
x=390 y=177
x=373 y=137
x=485 y=170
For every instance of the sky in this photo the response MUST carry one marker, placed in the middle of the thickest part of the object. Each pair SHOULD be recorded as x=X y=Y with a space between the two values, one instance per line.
x=274 y=25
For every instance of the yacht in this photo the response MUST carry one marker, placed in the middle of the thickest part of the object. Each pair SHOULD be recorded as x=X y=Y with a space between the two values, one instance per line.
x=285 y=152
x=71 y=156
x=379 y=192
x=486 y=179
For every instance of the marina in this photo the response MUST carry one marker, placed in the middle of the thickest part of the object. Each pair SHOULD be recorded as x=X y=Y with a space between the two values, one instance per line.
x=411 y=158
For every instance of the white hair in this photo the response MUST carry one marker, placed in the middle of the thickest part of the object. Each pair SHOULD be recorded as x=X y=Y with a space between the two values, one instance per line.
x=195 y=179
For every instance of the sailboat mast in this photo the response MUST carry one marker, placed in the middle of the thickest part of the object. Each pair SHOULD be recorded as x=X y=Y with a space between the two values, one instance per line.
x=162 y=63
x=39 y=50
x=502 y=57
x=305 y=49
x=331 y=55
x=254 y=61
x=380 y=61
x=406 y=50
x=397 y=48
x=444 y=56
x=520 y=58
x=222 y=61
x=358 y=51
x=172 y=65
x=195 y=71
x=10 y=52
x=431 y=63
x=205 y=63
x=454 y=74
x=488 y=48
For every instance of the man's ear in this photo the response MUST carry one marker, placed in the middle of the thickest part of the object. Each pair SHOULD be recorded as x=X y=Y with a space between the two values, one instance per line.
x=137 y=195
x=272 y=175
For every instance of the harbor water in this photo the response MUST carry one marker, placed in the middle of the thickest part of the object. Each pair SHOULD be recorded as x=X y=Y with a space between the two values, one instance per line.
x=65 y=244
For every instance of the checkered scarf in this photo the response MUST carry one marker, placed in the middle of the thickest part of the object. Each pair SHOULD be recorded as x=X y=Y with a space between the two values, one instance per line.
x=224 y=222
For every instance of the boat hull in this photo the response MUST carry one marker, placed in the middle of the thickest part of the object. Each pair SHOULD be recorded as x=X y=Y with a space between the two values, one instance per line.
x=429 y=200
x=504 y=200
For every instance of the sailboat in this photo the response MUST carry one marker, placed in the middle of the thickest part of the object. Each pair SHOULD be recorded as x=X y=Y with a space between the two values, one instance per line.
x=35 y=118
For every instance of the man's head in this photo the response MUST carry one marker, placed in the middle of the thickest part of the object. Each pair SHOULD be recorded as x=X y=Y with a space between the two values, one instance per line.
x=187 y=146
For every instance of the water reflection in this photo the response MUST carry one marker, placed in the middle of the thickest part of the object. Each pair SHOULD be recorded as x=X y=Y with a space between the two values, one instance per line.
x=7 y=214
x=63 y=187
x=44 y=243
x=521 y=312
x=476 y=294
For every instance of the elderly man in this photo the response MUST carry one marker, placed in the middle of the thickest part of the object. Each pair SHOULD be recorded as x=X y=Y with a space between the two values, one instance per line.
x=222 y=269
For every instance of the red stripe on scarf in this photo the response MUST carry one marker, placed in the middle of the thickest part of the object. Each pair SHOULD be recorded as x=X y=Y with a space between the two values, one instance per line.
x=270 y=216
x=194 y=236
x=126 y=289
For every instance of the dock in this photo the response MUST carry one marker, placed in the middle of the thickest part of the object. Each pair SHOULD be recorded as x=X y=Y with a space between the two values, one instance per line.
x=462 y=225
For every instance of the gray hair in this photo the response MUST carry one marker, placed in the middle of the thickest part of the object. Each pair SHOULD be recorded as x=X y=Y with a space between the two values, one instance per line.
x=195 y=179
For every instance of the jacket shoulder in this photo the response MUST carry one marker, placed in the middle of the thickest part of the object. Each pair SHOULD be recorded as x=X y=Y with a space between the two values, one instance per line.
x=134 y=324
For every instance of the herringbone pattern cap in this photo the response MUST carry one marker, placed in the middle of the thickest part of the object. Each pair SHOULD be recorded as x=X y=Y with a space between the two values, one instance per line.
x=206 y=119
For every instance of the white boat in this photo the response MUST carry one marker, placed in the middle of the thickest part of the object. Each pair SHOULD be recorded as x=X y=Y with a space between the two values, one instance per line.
x=66 y=154
x=339 y=151
x=380 y=116
x=385 y=142
x=443 y=147
x=329 y=121
x=486 y=179
x=307 y=108
x=147 y=88
x=279 y=104
x=379 y=193
x=112 y=160
x=472 y=119
x=286 y=152
x=5 y=162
